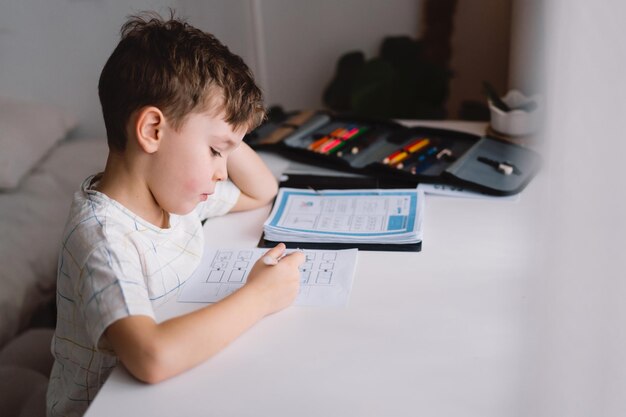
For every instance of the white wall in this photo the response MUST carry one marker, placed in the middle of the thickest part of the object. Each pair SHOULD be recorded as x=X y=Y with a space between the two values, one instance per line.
x=54 y=50
x=576 y=317
x=231 y=21
x=293 y=46
x=303 y=41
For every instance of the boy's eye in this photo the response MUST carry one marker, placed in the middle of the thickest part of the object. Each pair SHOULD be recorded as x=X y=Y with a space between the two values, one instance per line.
x=214 y=152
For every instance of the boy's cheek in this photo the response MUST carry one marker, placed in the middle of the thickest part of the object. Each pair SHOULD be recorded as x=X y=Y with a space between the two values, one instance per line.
x=197 y=186
x=191 y=186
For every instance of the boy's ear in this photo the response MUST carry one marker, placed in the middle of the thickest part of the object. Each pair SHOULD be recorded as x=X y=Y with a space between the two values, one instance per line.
x=149 y=128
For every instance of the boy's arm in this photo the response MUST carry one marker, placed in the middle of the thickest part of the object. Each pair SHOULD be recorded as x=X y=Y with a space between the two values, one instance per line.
x=153 y=352
x=250 y=174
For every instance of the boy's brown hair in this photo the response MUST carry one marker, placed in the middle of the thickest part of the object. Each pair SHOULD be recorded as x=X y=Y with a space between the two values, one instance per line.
x=179 y=69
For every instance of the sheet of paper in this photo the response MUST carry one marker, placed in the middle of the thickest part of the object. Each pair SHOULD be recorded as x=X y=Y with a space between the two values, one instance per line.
x=455 y=191
x=325 y=278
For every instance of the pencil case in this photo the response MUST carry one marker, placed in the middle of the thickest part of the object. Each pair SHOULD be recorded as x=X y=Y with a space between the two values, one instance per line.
x=402 y=156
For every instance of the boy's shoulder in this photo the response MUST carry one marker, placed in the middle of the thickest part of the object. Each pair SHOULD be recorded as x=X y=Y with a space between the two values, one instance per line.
x=97 y=223
x=95 y=220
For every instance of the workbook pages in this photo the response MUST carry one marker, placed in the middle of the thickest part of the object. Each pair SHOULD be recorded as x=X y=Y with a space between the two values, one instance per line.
x=391 y=216
x=325 y=277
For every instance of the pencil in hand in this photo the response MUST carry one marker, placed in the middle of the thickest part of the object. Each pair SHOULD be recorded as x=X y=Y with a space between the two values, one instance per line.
x=270 y=260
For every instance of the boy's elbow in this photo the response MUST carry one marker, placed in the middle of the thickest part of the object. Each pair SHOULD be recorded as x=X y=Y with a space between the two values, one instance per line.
x=153 y=366
x=272 y=190
x=150 y=375
x=263 y=197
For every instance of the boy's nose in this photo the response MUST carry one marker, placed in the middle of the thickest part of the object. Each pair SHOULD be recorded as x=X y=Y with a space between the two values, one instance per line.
x=220 y=174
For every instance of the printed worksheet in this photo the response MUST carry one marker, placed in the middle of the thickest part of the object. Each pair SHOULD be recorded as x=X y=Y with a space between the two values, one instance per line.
x=356 y=216
x=325 y=277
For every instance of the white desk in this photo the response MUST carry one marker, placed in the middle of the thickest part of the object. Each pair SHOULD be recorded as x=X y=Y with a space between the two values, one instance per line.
x=434 y=333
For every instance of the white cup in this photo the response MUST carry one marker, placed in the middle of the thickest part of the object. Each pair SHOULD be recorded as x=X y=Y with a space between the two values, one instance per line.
x=517 y=121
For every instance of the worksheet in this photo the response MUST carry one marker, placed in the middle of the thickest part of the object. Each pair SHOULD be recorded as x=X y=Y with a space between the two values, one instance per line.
x=325 y=277
x=346 y=216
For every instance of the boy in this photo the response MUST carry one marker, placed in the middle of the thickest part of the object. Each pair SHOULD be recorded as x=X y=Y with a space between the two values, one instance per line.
x=176 y=104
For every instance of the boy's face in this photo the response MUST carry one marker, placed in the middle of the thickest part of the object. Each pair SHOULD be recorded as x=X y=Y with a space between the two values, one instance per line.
x=190 y=161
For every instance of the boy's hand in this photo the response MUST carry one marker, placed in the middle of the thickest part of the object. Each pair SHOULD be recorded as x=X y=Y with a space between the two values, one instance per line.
x=277 y=285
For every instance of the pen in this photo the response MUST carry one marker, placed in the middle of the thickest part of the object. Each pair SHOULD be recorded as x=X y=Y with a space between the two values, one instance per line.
x=505 y=167
x=271 y=261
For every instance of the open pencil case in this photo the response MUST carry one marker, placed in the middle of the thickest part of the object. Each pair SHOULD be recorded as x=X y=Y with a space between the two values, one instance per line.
x=403 y=156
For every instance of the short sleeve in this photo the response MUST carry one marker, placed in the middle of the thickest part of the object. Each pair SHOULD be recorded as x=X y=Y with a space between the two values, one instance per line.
x=112 y=287
x=220 y=202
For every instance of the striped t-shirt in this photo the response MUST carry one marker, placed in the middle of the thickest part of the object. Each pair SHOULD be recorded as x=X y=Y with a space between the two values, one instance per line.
x=112 y=265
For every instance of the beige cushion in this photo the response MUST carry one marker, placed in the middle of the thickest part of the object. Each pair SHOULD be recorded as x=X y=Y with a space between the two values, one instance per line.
x=25 y=365
x=19 y=388
x=35 y=406
x=30 y=350
x=28 y=131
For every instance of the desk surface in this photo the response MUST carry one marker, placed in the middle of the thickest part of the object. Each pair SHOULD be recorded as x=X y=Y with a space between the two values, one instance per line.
x=434 y=333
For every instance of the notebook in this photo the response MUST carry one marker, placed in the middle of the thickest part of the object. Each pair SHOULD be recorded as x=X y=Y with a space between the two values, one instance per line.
x=368 y=219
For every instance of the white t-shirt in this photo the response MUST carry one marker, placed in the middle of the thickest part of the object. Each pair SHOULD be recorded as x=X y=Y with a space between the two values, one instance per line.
x=112 y=265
